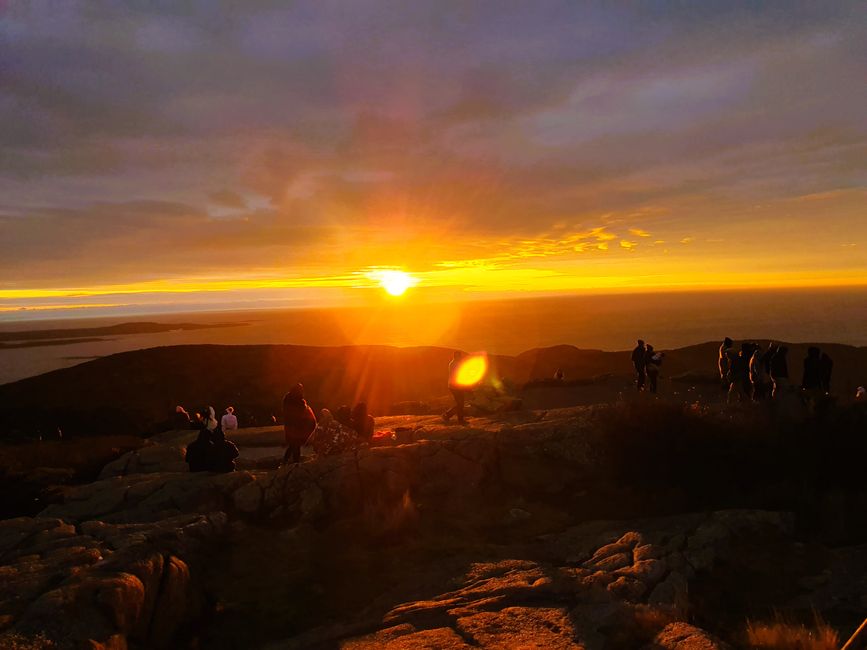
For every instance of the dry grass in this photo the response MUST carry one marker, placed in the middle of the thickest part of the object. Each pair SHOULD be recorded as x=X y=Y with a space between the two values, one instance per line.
x=784 y=635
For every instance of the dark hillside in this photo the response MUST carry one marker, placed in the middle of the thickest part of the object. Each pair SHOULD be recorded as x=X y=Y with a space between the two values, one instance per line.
x=134 y=392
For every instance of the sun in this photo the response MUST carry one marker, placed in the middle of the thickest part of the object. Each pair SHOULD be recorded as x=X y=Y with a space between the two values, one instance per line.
x=396 y=283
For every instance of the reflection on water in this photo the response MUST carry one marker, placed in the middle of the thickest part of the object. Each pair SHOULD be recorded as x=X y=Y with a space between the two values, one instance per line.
x=506 y=327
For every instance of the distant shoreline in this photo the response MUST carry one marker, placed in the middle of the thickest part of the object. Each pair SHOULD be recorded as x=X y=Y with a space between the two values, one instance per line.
x=36 y=338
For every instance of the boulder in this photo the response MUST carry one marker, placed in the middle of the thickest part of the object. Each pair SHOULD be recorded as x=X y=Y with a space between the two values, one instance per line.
x=149 y=459
x=149 y=497
x=103 y=586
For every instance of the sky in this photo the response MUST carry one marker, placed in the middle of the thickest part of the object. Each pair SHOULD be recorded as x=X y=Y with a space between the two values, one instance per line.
x=163 y=155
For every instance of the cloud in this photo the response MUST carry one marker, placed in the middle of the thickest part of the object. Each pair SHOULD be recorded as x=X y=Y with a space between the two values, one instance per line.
x=168 y=141
x=228 y=199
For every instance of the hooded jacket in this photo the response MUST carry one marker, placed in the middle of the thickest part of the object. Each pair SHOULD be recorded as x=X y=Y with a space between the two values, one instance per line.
x=299 y=420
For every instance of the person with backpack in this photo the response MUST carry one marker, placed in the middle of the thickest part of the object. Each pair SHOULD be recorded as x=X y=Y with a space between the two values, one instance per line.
x=299 y=422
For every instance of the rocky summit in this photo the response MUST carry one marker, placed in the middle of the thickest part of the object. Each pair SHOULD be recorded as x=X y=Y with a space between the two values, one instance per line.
x=525 y=530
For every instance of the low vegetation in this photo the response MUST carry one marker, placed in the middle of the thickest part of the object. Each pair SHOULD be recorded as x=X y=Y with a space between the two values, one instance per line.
x=787 y=635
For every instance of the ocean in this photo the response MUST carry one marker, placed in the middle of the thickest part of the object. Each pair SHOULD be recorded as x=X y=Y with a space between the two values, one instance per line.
x=609 y=322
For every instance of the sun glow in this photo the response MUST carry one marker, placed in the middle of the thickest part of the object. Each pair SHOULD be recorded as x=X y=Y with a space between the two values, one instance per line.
x=395 y=282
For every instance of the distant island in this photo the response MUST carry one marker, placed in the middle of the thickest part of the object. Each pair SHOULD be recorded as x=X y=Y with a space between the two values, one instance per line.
x=38 y=338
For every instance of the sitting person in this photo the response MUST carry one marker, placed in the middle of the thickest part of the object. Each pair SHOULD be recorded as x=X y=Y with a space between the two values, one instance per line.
x=362 y=422
x=209 y=418
x=229 y=421
x=181 y=419
x=299 y=422
x=343 y=415
x=331 y=435
x=223 y=453
x=200 y=452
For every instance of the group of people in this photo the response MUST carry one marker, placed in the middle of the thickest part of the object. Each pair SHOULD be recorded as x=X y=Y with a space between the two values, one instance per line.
x=753 y=373
x=183 y=420
x=347 y=428
x=646 y=362
x=210 y=451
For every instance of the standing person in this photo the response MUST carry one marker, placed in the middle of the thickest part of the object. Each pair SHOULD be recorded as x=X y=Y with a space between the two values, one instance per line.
x=758 y=375
x=826 y=368
x=780 y=370
x=725 y=363
x=739 y=375
x=299 y=422
x=457 y=391
x=652 y=361
x=229 y=421
x=812 y=379
x=639 y=362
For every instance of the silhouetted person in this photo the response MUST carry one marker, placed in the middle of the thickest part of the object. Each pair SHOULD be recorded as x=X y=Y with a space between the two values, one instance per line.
x=362 y=422
x=739 y=375
x=222 y=453
x=229 y=421
x=725 y=362
x=767 y=356
x=639 y=363
x=812 y=380
x=181 y=419
x=780 y=370
x=298 y=422
x=200 y=452
x=652 y=361
x=457 y=391
x=826 y=368
x=758 y=375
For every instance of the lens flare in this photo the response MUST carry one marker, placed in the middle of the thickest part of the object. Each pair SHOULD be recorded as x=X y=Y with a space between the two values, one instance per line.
x=472 y=370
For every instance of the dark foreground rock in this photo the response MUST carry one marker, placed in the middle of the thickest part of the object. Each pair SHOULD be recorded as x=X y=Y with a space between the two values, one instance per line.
x=588 y=587
x=525 y=530
x=101 y=585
